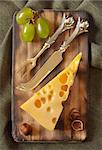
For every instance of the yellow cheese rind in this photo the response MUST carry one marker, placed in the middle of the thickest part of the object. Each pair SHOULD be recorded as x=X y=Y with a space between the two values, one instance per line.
x=45 y=106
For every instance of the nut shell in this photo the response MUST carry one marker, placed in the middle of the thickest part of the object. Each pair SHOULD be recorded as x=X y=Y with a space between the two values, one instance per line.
x=77 y=125
x=75 y=114
x=26 y=129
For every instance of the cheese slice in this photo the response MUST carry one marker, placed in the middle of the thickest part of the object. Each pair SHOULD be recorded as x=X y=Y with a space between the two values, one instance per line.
x=45 y=106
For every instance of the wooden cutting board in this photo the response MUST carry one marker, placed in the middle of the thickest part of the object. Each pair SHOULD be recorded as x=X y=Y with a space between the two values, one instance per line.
x=75 y=108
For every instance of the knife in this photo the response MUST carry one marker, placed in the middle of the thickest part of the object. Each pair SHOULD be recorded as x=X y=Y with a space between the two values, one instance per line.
x=50 y=64
x=66 y=24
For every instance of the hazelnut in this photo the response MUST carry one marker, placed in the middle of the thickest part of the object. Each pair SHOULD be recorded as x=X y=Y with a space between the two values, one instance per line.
x=74 y=114
x=77 y=125
x=26 y=129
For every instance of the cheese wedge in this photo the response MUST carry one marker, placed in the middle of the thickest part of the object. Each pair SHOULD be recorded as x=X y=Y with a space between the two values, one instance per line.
x=45 y=106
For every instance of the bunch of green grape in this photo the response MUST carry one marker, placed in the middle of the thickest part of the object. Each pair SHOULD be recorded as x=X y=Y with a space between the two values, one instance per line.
x=31 y=22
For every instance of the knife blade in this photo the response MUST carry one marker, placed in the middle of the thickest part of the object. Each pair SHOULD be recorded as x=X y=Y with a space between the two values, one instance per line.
x=49 y=65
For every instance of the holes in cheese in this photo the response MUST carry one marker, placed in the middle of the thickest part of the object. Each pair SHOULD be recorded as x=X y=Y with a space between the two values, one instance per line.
x=44 y=92
x=37 y=103
x=49 y=86
x=51 y=92
x=49 y=97
x=54 y=119
x=61 y=93
x=38 y=93
x=43 y=99
x=49 y=104
x=63 y=78
x=48 y=109
x=64 y=87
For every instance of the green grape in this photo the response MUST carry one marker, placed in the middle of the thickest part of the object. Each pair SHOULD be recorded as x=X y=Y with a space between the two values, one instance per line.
x=42 y=27
x=24 y=15
x=28 y=32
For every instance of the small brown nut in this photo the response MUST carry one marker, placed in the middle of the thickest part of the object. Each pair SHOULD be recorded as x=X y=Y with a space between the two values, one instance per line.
x=77 y=125
x=26 y=129
x=74 y=114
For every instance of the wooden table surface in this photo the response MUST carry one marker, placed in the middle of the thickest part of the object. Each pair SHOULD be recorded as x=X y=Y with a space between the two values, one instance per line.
x=75 y=108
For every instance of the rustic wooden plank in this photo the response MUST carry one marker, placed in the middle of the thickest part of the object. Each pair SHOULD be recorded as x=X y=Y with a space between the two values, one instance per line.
x=78 y=96
x=50 y=16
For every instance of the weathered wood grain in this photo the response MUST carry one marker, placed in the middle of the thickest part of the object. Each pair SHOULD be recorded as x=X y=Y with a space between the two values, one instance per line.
x=77 y=99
